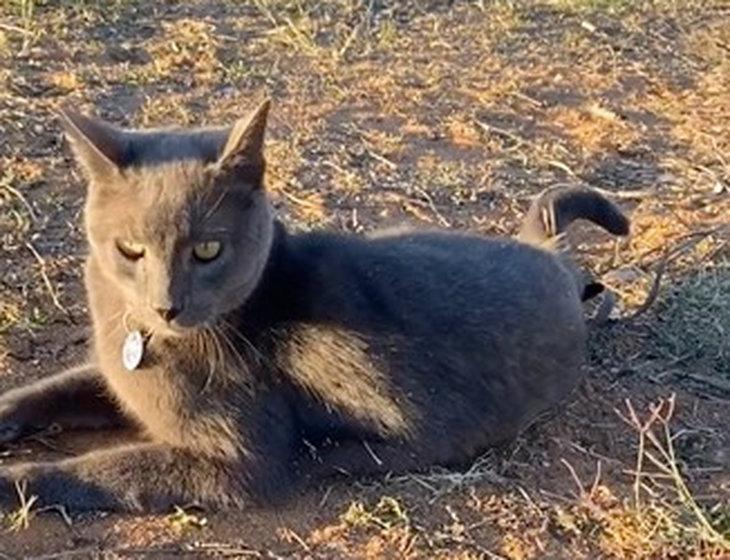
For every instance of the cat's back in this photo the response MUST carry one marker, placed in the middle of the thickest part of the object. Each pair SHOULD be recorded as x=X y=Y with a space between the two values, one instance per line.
x=411 y=278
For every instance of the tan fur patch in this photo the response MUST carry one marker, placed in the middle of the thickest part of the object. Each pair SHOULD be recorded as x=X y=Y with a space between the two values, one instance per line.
x=337 y=367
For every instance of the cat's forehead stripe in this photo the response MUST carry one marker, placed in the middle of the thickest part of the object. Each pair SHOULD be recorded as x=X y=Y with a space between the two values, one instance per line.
x=159 y=147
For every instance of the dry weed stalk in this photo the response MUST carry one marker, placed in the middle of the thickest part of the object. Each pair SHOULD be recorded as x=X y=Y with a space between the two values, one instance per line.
x=656 y=449
x=20 y=518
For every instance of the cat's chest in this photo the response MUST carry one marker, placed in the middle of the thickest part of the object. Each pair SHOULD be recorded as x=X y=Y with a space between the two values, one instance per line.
x=155 y=390
x=164 y=387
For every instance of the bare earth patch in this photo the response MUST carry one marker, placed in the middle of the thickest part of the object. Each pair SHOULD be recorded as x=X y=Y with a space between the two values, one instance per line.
x=433 y=113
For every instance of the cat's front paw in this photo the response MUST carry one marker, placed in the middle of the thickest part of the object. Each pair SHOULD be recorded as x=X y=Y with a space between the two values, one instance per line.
x=13 y=421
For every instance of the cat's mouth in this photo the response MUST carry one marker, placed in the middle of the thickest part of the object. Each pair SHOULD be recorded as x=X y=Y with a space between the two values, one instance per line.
x=157 y=327
x=180 y=329
x=172 y=331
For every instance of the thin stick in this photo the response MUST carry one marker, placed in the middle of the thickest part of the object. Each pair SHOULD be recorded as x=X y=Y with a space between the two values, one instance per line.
x=15 y=28
x=382 y=159
x=327 y=493
x=692 y=239
x=19 y=196
x=623 y=194
x=291 y=534
x=596 y=481
x=46 y=280
x=372 y=454
x=574 y=475
x=488 y=128
x=654 y=290
x=61 y=510
x=432 y=206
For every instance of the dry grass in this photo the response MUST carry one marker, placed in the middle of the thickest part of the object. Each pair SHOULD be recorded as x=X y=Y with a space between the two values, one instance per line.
x=694 y=320
x=182 y=520
x=19 y=519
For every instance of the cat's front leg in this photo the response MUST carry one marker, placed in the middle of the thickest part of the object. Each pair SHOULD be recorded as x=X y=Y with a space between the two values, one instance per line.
x=73 y=399
x=140 y=477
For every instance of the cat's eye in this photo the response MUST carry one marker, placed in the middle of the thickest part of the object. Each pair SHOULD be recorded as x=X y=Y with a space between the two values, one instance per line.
x=206 y=251
x=130 y=250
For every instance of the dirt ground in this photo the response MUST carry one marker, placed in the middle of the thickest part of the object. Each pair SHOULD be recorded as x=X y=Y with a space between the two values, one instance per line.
x=450 y=114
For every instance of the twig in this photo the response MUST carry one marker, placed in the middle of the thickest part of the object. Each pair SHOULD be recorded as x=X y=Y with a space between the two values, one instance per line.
x=562 y=166
x=661 y=413
x=290 y=534
x=327 y=493
x=23 y=200
x=382 y=159
x=641 y=428
x=589 y=452
x=527 y=98
x=20 y=519
x=654 y=290
x=432 y=206
x=300 y=201
x=470 y=541
x=61 y=510
x=46 y=280
x=350 y=38
x=15 y=28
x=87 y=552
x=372 y=454
x=574 y=475
x=488 y=128
x=623 y=194
x=692 y=239
x=220 y=548
x=596 y=481
x=530 y=501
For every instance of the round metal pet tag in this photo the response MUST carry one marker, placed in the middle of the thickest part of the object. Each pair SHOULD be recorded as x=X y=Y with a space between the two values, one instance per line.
x=133 y=350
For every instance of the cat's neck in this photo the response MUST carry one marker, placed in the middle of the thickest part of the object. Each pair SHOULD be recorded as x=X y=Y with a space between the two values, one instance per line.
x=274 y=298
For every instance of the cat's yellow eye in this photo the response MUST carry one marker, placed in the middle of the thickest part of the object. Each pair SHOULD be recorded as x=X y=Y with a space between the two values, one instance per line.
x=129 y=249
x=207 y=250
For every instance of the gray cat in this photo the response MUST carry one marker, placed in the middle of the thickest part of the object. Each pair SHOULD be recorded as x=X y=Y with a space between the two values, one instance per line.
x=250 y=358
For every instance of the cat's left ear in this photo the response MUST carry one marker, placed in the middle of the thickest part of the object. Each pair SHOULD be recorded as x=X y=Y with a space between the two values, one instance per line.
x=244 y=149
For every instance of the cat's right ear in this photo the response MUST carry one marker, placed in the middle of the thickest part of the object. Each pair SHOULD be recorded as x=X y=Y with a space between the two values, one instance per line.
x=98 y=146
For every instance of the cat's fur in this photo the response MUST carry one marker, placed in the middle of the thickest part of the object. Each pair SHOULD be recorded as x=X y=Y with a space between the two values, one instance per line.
x=289 y=355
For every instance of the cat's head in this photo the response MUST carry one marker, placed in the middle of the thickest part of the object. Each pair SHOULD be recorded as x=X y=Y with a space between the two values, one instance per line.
x=177 y=220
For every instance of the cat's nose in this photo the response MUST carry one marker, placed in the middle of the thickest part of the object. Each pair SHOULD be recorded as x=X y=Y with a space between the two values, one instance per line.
x=168 y=313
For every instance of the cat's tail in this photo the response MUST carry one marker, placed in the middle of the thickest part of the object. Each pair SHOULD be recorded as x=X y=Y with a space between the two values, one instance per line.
x=555 y=209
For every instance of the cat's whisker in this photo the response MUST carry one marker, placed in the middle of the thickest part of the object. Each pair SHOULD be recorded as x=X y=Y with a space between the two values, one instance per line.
x=214 y=357
x=237 y=354
x=219 y=350
x=231 y=346
x=215 y=206
x=246 y=341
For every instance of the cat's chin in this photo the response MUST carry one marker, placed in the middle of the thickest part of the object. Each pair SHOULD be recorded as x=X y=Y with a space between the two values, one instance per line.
x=176 y=331
x=173 y=331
